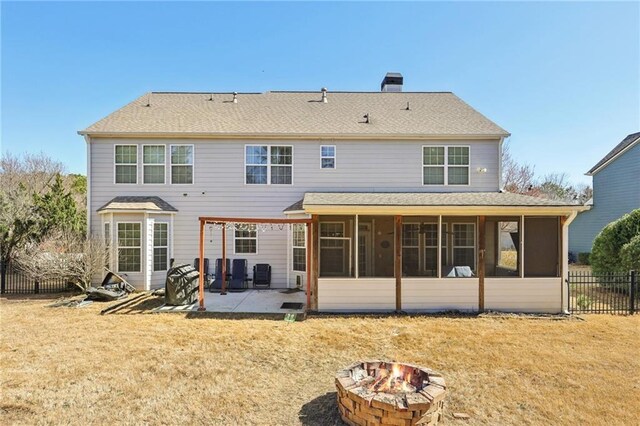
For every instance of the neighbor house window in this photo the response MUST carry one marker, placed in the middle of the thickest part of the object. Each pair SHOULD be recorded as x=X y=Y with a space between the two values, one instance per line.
x=129 y=247
x=299 y=247
x=268 y=164
x=246 y=239
x=126 y=162
x=160 y=246
x=445 y=165
x=464 y=245
x=328 y=157
x=181 y=164
x=153 y=164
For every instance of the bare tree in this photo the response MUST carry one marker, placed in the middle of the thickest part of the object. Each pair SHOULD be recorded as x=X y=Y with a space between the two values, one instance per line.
x=518 y=178
x=65 y=255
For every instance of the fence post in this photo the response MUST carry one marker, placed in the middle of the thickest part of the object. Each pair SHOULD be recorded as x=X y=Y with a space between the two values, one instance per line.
x=36 y=287
x=633 y=284
x=3 y=278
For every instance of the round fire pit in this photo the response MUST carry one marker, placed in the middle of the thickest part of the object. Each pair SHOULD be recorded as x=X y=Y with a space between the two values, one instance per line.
x=389 y=393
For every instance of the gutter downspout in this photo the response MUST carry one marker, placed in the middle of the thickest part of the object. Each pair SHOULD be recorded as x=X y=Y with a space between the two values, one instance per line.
x=87 y=139
x=565 y=262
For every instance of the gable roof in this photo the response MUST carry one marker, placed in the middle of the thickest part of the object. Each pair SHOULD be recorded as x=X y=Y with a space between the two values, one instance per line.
x=615 y=152
x=136 y=202
x=301 y=114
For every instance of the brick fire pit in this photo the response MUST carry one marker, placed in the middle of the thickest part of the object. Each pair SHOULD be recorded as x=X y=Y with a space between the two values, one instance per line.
x=389 y=393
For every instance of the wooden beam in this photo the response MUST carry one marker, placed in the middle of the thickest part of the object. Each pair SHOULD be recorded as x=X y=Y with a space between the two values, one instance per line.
x=224 y=261
x=481 y=254
x=315 y=251
x=308 y=265
x=223 y=220
x=202 y=277
x=398 y=262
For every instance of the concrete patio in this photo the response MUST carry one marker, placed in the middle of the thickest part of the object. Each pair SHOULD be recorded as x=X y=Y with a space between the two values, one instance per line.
x=247 y=302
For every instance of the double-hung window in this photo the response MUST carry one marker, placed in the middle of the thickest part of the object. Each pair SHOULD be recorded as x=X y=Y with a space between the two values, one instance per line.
x=126 y=163
x=246 y=239
x=129 y=247
x=268 y=165
x=410 y=249
x=328 y=157
x=299 y=247
x=181 y=164
x=160 y=246
x=445 y=165
x=153 y=164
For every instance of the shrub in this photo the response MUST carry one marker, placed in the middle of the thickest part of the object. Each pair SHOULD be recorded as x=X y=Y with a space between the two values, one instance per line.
x=606 y=254
x=630 y=254
x=583 y=258
x=583 y=302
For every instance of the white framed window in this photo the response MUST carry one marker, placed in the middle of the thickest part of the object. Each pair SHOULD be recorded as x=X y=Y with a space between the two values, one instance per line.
x=268 y=165
x=153 y=164
x=129 y=246
x=299 y=239
x=246 y=239
x=328 y=157
x=335 y=250
x=160 y=246
x=445 y=165
x=410 y=249
x=182 y=164
x=464 y=244
x=126 y=164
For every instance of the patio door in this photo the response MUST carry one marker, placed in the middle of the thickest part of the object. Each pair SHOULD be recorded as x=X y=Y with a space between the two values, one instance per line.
x=365 y=250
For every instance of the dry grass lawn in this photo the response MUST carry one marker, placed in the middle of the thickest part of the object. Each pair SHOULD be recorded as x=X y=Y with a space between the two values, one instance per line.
x=73 y=366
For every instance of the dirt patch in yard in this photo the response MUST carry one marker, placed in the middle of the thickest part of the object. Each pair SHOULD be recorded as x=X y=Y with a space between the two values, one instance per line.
x=74 y=366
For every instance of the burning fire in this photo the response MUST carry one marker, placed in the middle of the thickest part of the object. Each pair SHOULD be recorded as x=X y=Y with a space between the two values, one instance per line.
x=389 y=378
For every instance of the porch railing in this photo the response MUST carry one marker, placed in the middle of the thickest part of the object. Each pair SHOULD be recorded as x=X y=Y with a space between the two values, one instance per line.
x=603 y=292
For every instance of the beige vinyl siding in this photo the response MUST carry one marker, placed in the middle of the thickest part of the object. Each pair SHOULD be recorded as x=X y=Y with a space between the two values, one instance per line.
x=523 y=294
x=433 y=294
x=219 y=187
x=351 y=295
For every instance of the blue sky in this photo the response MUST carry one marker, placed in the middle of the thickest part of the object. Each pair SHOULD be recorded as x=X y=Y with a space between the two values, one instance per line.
x=563 y=78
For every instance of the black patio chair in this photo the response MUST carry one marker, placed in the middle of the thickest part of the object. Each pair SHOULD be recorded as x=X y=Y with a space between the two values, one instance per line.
x=216 y=284
x=207 y=276
x=262 y=275
x=239 y=275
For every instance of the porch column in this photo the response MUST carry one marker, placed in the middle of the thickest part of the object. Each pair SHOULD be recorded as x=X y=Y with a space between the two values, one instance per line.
x=223 y=291
x=398 y=262
x=481 y=253
x=308 y=263
x=201 y=280
x=315 y=262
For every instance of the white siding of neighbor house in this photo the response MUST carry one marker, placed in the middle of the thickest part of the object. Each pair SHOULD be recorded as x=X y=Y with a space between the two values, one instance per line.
x=352 y=295
x=433 y=294
x=219 y=188
x=523 y=294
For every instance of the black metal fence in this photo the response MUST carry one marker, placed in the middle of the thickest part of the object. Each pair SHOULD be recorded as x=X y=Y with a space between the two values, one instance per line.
x=12 y=281
x=603 y=292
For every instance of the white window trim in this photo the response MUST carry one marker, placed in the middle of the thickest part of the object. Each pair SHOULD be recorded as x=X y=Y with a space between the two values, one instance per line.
x=454 y=246
x=445 y=165
x=153 y=267
x=139 y=247
x=350 y=240
x=193 y=164
x=420 y=261
x=298 y=247
x=107 y=241
x=268 y=165
x=115 y=165
x=334 y=157
x=164 y=175
x=245 y=238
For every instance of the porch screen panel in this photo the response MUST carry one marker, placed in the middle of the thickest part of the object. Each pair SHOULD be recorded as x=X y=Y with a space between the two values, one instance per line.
x=541 y=247
x=411 y=249
x=430 y=231
x=464 y=245
x=336 y=249
x=502 y=245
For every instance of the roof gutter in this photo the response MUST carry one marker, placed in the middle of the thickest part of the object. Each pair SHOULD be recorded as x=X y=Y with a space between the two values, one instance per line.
x=444 y=210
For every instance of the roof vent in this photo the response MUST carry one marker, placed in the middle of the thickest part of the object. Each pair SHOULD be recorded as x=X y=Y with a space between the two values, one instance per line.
x=324 y=95
x=392 y=82
x=235 y=97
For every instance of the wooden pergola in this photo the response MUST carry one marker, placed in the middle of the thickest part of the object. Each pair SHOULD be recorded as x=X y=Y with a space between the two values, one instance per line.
x=226 y=220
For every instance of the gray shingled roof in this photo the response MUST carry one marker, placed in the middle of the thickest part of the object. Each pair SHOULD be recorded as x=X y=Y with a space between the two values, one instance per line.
x=134 y=202
x=427 y=199
x=615 y=151
x=298 y=113
x=297 y=206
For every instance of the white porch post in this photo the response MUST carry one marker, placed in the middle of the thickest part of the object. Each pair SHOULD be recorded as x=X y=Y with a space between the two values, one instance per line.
x=439 y=256
x=522 y=246
x=356 y=244
x=565 y=261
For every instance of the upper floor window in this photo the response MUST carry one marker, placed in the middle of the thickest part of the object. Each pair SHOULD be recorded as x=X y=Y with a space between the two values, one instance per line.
x=181 y=164
x=445 y=165
x=328 y=157
x=126 y=163
x=268 y=164
x=153 y=164
x=246 y=239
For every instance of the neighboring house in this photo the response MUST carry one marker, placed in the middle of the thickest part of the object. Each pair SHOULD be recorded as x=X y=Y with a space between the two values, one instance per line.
x=403 y=190
x=616 y=192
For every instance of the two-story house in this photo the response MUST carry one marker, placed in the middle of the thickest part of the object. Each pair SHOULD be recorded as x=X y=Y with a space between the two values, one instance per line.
x=402 y=192
x=616 y=192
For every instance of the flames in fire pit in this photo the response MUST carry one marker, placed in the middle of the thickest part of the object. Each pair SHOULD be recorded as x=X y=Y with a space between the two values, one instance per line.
x=382 y=392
